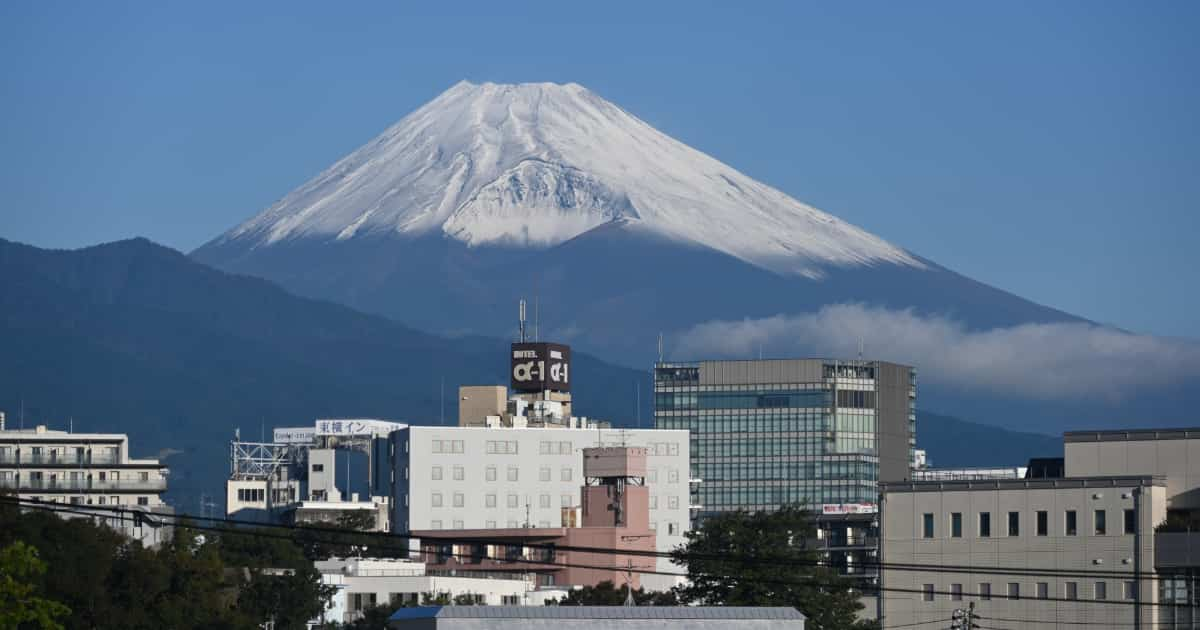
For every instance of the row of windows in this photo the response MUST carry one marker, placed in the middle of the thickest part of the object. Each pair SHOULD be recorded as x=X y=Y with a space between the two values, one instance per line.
x=743 y=400
x=555 y=448
x=545 y=473
x=1070 y=523
x=672 y=528
x=92 y=500
x=447 y=446
x=718 y=497
x=76 y=475
x=797 y=471
x=501 y=447
x=490 y=500
x=1041 y=590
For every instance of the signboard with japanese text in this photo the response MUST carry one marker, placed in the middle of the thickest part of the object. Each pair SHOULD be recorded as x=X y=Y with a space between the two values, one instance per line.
x=849 y=508
x=541 y=366
x=357 y=427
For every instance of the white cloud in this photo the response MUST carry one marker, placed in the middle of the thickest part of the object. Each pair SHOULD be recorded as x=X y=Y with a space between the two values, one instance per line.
x=1041 y=361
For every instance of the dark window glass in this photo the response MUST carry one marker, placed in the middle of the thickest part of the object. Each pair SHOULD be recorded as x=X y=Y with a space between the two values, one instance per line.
x=985 y=591
x=927 y=526
x=956 y=592
x=1043 y=523
x=1014 y=590
x=1130 y=522
x=1072 y=590
x=956 y=525
x=1070 y=523
x=927 y=592
x=985 y=524
x=1043 y=590
x=1014 y=523
x=1100 y=520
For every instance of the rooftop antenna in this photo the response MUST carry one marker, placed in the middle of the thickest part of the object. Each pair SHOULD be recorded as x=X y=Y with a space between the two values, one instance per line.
x=521 y=319
x=442 y=397
x=660 y=348
x=71 y=424
x=535 y=311
x=638 y=407
x=860 y=347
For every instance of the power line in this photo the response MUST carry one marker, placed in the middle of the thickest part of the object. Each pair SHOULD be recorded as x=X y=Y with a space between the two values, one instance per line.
x=91 y=511
x=919 y=623
x=918 y=568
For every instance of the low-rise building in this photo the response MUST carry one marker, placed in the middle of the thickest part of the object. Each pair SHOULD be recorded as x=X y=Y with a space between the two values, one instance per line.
x=362 y=583
x=596 y=618
x=82 y=470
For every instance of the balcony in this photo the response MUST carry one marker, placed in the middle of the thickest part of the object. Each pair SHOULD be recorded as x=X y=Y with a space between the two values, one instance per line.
x=83 y=486
x=57 y=459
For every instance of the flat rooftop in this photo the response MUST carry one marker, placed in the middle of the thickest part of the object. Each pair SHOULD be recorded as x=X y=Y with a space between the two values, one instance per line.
x=597 y=612
x=1132 y=435
x=1124 y=481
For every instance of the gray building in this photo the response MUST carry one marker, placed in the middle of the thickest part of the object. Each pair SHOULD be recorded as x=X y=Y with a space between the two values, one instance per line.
x=596 y=618
x=769 y=432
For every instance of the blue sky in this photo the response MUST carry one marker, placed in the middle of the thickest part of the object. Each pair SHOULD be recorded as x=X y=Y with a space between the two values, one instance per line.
x=1051 y=149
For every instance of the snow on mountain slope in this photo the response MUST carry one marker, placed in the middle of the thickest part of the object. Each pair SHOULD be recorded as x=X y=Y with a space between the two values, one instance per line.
x=534 y=165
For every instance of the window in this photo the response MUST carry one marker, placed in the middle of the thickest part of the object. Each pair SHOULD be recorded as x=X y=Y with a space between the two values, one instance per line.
x=458 y=524
x=652 y=475
x=1071 y=590
x=1070 y=523
x=489 y=501
x=435 y=524
x=1100 y=521
x=459 y=473
x=956 y=524
x=673 y=475
x=956 y=592
x=456 y=446
x=1014 y=590
x=544 y=473
x=490 y=524
x=512 y=525
x=318 y=467
x=459 y=500
x=1129 y=590
x=1101 y=590
x=1014 y=523
x=927 y=592
x=673 y=502
x=512 y=500
x=927 y=525
x=1043 y=523
x=1043 y=590
x=544 y=501
x=565 y=500
x=672 y=528
x=502 y=447
x=543 y=524
x=653 y=503
x=436 y=499
x=143 y=501
x=566 y=474
x=491 y=473
x=985 y=591
x=1130 y=522
x=512 y=473
x=985 y=524
x=436 y=475
x=145 y=476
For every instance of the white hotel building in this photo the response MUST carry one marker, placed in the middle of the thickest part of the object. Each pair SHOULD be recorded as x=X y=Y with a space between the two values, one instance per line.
x=509 y=477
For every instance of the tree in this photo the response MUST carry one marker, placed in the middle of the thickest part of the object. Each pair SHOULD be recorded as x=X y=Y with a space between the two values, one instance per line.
x=607 y=593
x=19 y=604
x=766 y=559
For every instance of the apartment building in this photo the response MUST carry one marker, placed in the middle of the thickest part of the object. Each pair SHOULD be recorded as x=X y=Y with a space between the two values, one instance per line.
x=84 y=469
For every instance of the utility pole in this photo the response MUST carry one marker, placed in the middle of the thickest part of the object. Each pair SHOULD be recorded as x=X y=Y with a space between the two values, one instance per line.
x=629 y=601
x=964 y=619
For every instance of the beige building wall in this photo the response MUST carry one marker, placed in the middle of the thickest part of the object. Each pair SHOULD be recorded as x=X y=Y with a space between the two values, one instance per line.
x=1174 y=454
x=477 y=402
x=903 y=514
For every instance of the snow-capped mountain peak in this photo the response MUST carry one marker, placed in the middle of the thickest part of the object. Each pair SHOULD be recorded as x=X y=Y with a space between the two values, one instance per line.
x=536 y=164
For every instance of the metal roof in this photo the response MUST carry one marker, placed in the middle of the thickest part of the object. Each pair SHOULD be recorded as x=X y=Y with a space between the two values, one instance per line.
x=596 y=612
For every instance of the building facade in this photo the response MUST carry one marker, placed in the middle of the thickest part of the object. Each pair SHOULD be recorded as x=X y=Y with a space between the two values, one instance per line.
x=85 y=469
x=596 y=618
x=769 y=432
x=1050 y=553
x=502 y=478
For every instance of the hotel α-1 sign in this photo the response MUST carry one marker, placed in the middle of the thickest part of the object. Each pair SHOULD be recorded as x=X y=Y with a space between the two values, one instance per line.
x=539 y=367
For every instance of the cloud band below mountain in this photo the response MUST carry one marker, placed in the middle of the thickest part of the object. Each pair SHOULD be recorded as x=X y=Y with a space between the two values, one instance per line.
x=1038 y=361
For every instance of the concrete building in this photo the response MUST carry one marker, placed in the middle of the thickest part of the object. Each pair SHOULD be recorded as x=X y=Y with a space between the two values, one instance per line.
x=614 y=516
x=596 y=618
x=1120 y=513
x=1101 y=529
x=502 y=478
x=85 y=469
x=362 y=583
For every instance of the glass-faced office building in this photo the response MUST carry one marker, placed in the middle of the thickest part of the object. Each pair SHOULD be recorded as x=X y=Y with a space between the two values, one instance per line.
x=769 y=432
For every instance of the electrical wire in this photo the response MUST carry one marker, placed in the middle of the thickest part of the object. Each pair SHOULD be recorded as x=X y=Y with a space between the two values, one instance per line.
x=91 y=511
x=919 y=568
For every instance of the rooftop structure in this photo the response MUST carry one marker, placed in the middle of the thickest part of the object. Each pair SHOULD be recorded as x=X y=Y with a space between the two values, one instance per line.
x=597 y=617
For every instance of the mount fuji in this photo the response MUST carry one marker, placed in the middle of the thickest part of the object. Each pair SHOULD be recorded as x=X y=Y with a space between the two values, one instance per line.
x=489 y=193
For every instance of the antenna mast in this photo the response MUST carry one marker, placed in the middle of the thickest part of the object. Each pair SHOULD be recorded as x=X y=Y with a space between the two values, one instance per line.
x=521 y=319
